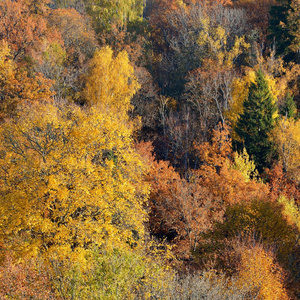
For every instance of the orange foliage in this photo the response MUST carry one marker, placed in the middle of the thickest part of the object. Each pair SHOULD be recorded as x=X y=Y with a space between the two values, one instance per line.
x=257 y=12
x=280 y=184
x=24 y=280
x=21 y=29
x=79 y=38
x=219 y=177
x=259 y=272
x=212 y=2
x=179 y=210
x=17 y=86
x=160 y=12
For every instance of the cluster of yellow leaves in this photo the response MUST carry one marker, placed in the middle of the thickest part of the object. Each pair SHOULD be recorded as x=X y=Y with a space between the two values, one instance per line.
x=110 y=82
x=216 y=40
x=70 y=180
x=287 y=138
x=290 y=211
x=246 y=166
x=261 y=274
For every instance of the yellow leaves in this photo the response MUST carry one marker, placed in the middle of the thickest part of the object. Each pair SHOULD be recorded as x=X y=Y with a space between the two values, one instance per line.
x=287 y=137
x=52 y=183
x=215 y=38
x=240 y=90
x=75 y=175
x=110 y=82
x=246 y=166
x=7 y=66
x=259 y=272
x=290 y=210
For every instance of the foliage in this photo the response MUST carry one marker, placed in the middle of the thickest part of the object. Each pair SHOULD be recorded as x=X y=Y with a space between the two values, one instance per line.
x=79 y=39
x=246 y=166
x=286 y=137
x=260 y=219
x=106 y=12
x=114 y=274
x=24 y=280
x=24 y=27
x=260 y=273
x=257 y=121
x=284 y=28
x=16 y=86
x=83 y=189
x=70 y=181
x=179 y=210
x=289 y=109
x=290 y=210
x=110 y=82
x=217 y=174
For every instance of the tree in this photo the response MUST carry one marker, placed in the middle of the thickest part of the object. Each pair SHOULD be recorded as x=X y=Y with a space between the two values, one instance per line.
x=281 y=184
x=17 y=87
x=70 y=181
x=108 y=12
x=259 y=271
x=110 y=82
x=257 y=121
x=257 y=14
x=225 y=182
x=21 y=28
x=179 y=210
x=284 y=28
x=27 y=279
x=286 y=136
x=78 y=36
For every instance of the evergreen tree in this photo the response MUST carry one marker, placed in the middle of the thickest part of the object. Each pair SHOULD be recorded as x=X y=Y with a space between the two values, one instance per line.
x=289 y=108
x=256 y=122
x=284 y=28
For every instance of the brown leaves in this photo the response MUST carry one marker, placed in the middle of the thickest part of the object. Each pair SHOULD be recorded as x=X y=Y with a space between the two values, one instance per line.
x=21 y=29
x=24 y=280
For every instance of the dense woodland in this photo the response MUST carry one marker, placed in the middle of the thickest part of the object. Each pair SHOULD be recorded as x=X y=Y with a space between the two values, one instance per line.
x=150 y=149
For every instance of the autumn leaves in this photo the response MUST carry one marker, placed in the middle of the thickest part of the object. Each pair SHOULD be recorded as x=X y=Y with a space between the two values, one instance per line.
x=134 y=151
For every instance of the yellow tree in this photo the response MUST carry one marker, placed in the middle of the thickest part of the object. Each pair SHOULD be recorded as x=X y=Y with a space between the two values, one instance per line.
x=70 y=180
x=110 y=82
x=259 y=272
x=286 y=135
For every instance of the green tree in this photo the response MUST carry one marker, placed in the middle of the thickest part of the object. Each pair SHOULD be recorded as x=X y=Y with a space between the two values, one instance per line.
x=257 y=121
x=284 y=28
x=107 y=12
x=289 y=108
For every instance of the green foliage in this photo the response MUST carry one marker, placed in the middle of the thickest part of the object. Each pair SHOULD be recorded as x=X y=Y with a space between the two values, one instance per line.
x=114 y=274
x=261 y=219
x=289 y=109
x=256 y=122
x=284 y=28
x=107 y=12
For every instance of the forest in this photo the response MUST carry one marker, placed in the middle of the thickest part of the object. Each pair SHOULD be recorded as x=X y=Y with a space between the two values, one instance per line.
x=149 y=149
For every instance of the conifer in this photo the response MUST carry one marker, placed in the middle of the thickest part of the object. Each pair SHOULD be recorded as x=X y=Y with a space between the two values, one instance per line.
x=257 y=121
